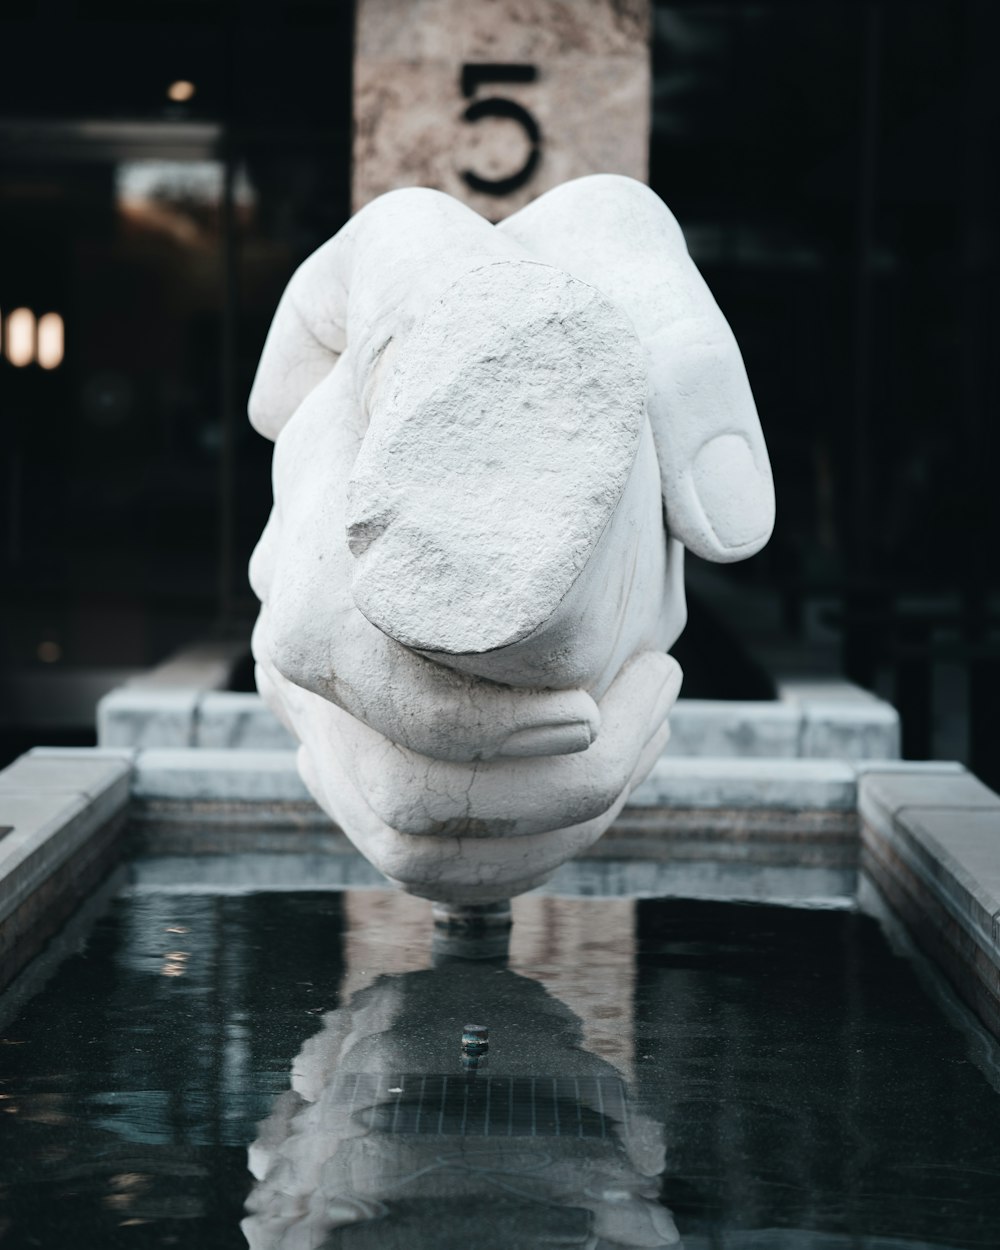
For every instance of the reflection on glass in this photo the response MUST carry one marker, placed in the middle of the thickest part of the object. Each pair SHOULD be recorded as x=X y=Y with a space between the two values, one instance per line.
x=151 y=181
x=386 y=1140
x=20 y=337
x=50 y=341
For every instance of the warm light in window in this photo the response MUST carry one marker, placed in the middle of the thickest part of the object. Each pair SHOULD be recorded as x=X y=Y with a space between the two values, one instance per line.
x=49 y=652
x=50 y=341
x=180 y=91
x=20 y=337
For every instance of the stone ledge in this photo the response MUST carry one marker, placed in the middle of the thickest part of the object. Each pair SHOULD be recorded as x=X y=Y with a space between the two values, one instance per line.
x=218 y=776
x=910 y=768
x=941 y=786
x=763 y=836
x=741 y=783
x=160 y=708
x=180 y=705
x=176 y=869
x=710 y=727
x=138 y=717
x=238 y=721
x=954 y=855
x=54 y=803
x=200 y=775
x=931 y=832
x=943 y=940
x=841 y=721
x=69 y=770
x=65 y=810
x=931 y=841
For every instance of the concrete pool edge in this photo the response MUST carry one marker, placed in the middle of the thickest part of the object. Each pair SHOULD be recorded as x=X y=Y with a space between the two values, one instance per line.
x=928 y=834
x=65 y=812
x=934 y=852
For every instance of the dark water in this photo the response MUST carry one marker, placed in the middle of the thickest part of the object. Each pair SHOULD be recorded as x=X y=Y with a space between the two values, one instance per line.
x=659 y=1073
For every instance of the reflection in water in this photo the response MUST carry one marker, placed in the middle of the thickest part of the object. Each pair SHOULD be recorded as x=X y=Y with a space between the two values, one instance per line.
x=386 y=1140
x=813 y=1098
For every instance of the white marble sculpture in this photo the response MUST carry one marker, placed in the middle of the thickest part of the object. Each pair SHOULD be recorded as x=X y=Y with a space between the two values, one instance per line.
x=492 y=445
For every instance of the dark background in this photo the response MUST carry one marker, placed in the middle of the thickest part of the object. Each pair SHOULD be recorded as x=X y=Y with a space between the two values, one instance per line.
x=833 y=164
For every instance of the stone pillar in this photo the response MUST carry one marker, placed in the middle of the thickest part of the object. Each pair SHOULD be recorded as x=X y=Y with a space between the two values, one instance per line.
x=496 y=101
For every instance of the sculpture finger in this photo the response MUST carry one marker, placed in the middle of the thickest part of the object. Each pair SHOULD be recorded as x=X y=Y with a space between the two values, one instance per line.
x=408 y=244
x=482 y=865
x=482 y=873
x=417 y=705
x=476 y=868
x=417 y=796
x=715 y=474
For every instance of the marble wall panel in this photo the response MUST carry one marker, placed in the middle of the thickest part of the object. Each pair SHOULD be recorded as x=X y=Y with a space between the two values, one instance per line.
x=521 y=94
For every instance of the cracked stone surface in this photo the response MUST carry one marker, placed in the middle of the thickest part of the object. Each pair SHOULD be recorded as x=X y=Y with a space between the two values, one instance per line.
x=492 y=445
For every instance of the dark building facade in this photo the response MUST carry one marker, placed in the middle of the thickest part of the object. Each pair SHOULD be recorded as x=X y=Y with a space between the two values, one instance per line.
x=165 y=166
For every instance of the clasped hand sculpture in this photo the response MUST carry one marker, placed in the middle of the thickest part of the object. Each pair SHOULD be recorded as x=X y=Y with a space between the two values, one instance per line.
x=492 y=445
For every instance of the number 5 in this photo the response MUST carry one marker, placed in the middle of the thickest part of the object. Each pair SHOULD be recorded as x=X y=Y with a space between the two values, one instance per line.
x=496 y=106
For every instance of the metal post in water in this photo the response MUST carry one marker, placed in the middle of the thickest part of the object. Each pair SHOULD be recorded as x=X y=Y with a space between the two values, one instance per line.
x=471 y=930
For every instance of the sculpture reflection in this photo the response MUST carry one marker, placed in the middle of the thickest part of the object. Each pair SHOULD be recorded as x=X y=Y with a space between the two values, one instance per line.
x=386 y=1140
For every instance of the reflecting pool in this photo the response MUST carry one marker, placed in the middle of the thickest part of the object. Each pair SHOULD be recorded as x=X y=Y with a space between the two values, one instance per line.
x=285 y=1069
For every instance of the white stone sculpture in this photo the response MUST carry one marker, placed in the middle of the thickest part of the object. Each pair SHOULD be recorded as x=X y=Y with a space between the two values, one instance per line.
x=492 y=444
